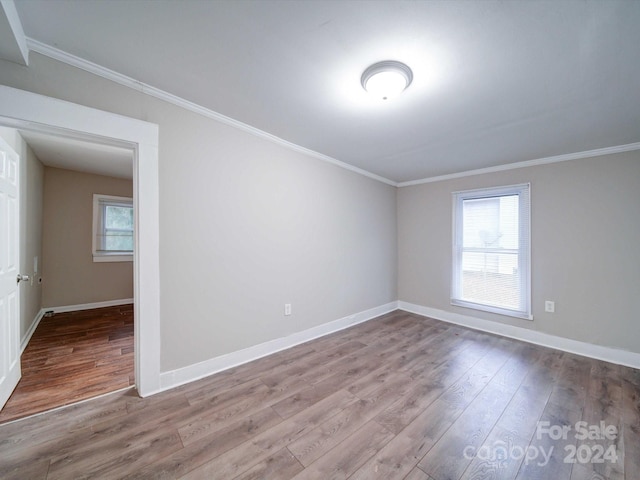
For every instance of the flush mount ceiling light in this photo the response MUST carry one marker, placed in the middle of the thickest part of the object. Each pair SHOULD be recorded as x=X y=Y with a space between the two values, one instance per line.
x=386 y=79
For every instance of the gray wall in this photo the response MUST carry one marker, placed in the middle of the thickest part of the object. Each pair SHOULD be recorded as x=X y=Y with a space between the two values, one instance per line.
x=31 y=186
x=585 y=230
x=245 y=225
x=71 y=277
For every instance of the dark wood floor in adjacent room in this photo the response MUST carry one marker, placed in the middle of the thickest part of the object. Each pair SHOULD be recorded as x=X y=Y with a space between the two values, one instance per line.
x=399 y=397
x=74 y=356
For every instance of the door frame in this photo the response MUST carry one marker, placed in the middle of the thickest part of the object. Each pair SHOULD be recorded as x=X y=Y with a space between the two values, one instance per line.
x=30 y=111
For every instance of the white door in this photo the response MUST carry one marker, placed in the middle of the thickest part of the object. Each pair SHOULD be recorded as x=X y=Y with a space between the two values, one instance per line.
x=9 y=255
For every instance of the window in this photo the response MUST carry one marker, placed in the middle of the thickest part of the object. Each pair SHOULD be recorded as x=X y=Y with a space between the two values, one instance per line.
x=112 y=229
x=491 y=253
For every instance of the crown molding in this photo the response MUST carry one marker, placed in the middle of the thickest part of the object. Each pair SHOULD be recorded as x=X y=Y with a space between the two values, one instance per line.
x=528 y=163
x=18 y=52
x=94 y=68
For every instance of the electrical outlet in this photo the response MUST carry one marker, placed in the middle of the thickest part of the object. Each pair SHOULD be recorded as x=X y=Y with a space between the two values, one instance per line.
x=549 y=306
x=287 y=309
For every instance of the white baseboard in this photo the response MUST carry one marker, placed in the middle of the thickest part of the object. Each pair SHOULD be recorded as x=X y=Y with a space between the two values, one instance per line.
x=200 y=370
x=88 y=306
x=599 y=352
x=32 y=329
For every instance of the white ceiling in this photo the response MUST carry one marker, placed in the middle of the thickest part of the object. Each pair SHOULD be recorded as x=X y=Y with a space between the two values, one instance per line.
x=495 y=82
x=80 y=155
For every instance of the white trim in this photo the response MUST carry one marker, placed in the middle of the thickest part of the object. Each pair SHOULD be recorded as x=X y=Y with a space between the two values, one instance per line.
x=13 y=18
x=528 y=163
x=126 y=81
x=128 y=201
x=31 y=111
x=79 y=122
x=599 y=352
x=200 y=370
x=86 y=65
x=27 y=336
x=110 y=257
x=88 y=306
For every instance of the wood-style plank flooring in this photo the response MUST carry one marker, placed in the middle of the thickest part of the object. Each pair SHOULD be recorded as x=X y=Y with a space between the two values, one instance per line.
x=73 y=356
x=399 y=397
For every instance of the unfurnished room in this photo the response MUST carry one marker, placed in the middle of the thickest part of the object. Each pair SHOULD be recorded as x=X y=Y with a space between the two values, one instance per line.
x=320 y=239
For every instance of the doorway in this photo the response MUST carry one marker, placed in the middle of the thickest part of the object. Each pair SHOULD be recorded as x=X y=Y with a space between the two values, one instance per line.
x=78 y=298
x=28 y=111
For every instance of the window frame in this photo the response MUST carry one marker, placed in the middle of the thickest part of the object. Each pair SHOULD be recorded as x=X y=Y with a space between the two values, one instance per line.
x=100 y=202
x=523 y=191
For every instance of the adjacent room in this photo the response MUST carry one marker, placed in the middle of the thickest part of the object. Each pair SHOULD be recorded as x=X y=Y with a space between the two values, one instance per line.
x=76 y=322
x=272 y=239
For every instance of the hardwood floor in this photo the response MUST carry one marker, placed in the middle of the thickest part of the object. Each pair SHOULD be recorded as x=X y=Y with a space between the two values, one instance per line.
x=399 y=397
x=73 y=356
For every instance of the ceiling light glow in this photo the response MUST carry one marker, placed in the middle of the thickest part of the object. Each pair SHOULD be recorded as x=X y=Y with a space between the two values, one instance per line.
x=388 y=79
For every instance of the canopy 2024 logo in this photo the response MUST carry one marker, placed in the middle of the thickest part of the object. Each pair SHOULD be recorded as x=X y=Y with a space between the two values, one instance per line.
x=591 y=452
x=500 y=453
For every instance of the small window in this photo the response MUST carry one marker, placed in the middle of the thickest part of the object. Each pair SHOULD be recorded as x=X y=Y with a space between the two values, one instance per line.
x=112 y=229
x=491 y=253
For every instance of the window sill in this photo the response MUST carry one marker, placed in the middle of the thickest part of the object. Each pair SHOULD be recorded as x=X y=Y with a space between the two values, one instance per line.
x=113 y=258
x=490 y=309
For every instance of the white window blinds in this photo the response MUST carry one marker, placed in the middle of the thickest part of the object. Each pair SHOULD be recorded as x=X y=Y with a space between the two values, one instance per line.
x=491 y=250
x=113 y=227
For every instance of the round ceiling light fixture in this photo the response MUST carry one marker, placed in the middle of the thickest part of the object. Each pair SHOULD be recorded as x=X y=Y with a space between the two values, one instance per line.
x=386 y=79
